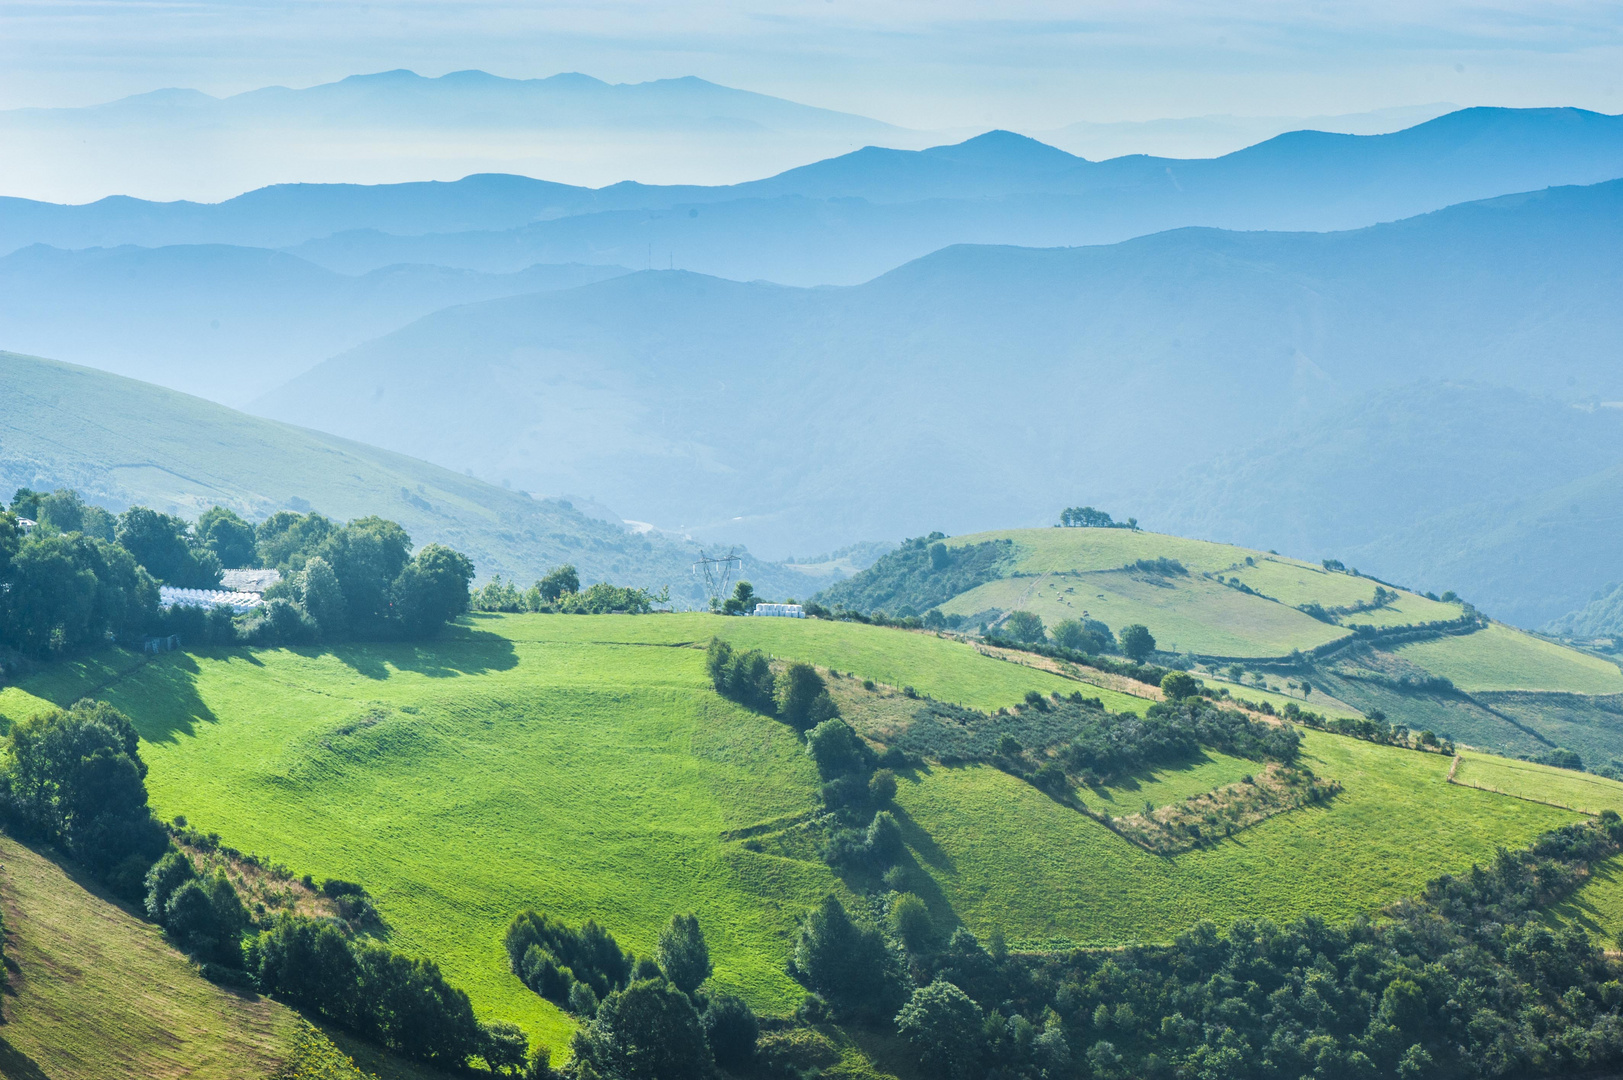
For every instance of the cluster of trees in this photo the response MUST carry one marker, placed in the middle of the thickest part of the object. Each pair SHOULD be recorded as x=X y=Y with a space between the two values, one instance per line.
x=918 y=576
x=1371 y=728
x=397 y=1001
x=560 y=592
x=83 y=576
x=1466 y=981
x=653 y=1019
x=74 y=777
x=798 y=696
x=1086 y=517
x=1086 y=638
x=355 y=581
x=1111 y=745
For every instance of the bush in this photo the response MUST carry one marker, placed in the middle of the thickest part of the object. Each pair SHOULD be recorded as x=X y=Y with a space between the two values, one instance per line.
x=881 y=787
x=884 y=839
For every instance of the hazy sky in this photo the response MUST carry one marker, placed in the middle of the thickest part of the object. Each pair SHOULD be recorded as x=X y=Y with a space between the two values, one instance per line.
x=941 y=64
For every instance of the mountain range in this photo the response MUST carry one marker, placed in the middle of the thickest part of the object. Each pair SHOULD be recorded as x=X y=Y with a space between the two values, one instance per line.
x=398 y=125
x=998 y=384
x=850 y=218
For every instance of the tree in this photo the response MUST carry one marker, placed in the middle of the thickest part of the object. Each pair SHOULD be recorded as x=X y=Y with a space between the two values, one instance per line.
x=648 y=1031
x=504 y=1046
x=76 y=776
x=910 y=921
x=1024 y=626
x=945 y=1028
x=322 y=598
x=881 y=787
x=743 y=600
x=1071 y=634
x=732 y=1030
x=745 y=677
x=1136 y=642
x=167 y=875
x=432 y=590
x=796 y=691
x=285 y=539
x=836 y=749
x=844 y=962
x=1177 y=685
x=228 y=536
x=884 y=839
x=162 y=545
x=558 y=582
x=683 y=954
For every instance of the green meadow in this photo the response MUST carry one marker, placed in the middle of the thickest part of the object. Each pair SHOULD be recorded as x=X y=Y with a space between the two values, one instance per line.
x=1007 y=857
x=1500 y=658
x=1186 y=614
x=1581 y=791
x=585 y=766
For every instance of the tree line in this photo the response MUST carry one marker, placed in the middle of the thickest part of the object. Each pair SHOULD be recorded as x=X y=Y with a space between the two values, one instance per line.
x=559 y=592
x=82 y=576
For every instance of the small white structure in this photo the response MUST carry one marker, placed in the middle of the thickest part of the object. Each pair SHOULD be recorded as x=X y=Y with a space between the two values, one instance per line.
x=254 y=581
x=781 y=611
x=238 y=602
x=26 y=525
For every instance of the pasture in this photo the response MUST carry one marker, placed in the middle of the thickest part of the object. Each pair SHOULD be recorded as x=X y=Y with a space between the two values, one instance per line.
x=585 y=766
x=1581 y=791
x=1501 y=658
x=1007 y=857
x=1185 y=613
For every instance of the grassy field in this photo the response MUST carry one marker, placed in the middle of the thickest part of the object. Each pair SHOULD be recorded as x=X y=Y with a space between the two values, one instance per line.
x=1007 y=857
x=1186 y=614
x=95 y=992
x=1500 y=658
x=1046 y=551
x=1581 y=791
x=583 y=765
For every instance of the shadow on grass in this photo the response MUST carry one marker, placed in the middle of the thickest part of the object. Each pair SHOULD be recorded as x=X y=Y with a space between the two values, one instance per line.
x=16 y=1065
x=1580 y=912
x=1150 y=774
x=459 y=650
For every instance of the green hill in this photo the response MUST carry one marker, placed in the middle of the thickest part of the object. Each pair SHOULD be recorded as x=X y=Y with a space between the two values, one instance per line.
x=121 y=442
x=1417 y=660
x=584 y=765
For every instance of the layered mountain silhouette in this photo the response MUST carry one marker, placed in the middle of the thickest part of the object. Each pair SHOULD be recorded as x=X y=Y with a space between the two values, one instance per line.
x=852 y=217
x=979 y=385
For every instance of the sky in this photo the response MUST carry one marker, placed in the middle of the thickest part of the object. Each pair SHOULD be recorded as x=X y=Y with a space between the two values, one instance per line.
x=925 y=64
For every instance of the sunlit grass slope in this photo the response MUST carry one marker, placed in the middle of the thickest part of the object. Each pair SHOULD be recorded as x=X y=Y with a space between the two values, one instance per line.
x=1186 y=614
x=584 y=765
x=96 y=992
x=1009 y=858
x=1581 y=791
x=1501 y=658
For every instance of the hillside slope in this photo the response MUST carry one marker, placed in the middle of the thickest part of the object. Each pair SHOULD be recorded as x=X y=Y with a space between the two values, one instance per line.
x=225 y=323
x=585 y=765
x=93 y=991
x=1418 y=661
x=121 y=443
x=1115 y=368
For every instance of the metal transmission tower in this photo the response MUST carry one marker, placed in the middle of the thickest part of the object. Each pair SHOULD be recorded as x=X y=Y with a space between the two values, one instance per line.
x=718 y=574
